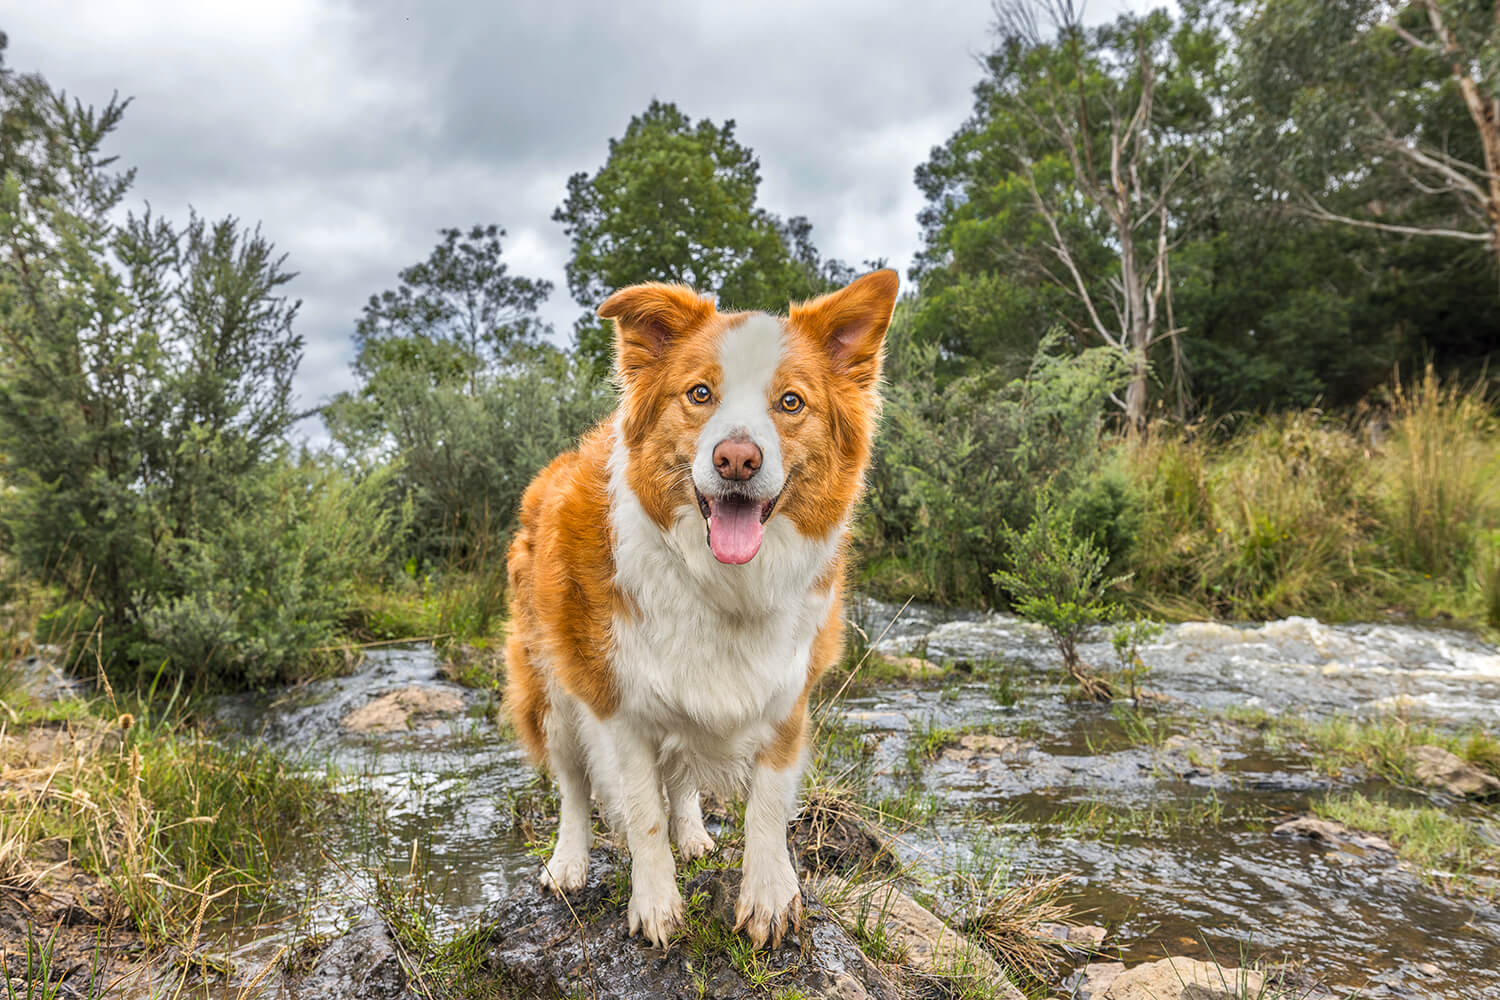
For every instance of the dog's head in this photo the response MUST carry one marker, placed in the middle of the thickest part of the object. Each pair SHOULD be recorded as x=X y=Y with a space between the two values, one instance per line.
x=748 y=416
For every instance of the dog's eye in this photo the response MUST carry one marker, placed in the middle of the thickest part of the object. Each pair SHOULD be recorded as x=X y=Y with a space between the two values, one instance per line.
x=700 y=394
x=791 y=403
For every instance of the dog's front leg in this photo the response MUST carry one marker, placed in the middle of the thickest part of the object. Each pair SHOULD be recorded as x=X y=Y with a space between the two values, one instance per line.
x=655 y=904
x=770 y=900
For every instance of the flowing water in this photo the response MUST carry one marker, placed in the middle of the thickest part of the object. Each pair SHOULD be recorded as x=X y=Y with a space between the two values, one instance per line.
x=1163 y=818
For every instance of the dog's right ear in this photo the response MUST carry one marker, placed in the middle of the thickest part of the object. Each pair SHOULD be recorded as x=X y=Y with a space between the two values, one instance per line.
x=648 y=318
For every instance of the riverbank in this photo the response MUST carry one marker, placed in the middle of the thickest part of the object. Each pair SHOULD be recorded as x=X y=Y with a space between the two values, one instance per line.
x=1214 y=823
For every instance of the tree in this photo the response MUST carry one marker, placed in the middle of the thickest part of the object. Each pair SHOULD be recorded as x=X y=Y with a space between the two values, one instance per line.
x=1069 y=171
x=456 y=314
x=145 y=394
x=675 y=201
x=1382 y=115
x=460 y=394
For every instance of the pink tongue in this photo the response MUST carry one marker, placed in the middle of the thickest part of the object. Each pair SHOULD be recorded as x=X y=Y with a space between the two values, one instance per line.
x=734 y=531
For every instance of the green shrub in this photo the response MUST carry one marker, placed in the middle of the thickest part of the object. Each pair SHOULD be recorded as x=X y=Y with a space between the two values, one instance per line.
x=1057 y=579
x=465 y=451
x=265 y=593
x=958 y=461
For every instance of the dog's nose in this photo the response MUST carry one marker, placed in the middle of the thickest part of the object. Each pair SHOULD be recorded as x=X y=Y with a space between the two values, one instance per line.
x=737 y=458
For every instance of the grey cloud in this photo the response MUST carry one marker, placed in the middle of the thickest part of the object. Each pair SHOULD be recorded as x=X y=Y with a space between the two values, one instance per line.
x=353 y=133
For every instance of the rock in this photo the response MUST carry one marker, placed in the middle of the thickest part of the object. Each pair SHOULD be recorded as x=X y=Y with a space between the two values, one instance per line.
x=542 y=946
x=888 y=721
x=1335 y=834
x=1096 y=977
x=919 y=936
x=403 y=709
x=1183 y=979
x=978 y=745
x=914 y=667
x=362 y=963
x=1438 y=768
x=1087 y=938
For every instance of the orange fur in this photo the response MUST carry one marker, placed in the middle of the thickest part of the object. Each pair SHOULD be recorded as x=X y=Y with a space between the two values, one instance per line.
x=561 y=564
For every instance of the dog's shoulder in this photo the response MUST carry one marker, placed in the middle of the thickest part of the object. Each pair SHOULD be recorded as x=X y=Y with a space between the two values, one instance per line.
x=562 y=569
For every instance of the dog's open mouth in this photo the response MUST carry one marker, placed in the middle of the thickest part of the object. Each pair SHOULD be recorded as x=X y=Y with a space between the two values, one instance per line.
x=736 y=525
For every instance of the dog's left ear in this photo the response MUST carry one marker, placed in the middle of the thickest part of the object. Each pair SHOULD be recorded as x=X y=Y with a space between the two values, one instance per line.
x=851 y=323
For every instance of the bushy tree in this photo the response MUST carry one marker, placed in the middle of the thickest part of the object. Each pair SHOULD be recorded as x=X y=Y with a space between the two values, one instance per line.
x=460 y=395
x=676 y=201
x=957 y=464
x=1061 y=191
x=1381 y=115
x=145 y=386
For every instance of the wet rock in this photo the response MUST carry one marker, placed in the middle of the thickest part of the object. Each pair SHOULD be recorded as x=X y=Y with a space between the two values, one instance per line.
x=919 y=936
x=1438 y=768
x=1334 y=834
x=541 y=946
x=363 y=962
x=972 y=746
x=1180 y=979
x=1086 y=938
x=890 y=721
x=404 y=709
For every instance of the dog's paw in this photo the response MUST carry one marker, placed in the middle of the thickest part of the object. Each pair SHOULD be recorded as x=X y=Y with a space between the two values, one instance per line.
x=769 y=906
x=694 y=844
x=655 y=915
x=563 y=875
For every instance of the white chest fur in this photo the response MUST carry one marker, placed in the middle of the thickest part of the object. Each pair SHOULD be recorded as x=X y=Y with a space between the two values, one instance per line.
x=715 y=655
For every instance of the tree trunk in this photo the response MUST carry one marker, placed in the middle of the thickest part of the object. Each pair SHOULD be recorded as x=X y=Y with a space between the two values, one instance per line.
x=1486 y=115
x=1135 y=393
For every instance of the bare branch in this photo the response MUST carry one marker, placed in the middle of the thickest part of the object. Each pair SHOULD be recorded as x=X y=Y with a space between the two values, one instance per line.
x=1317 y=211
x=1060 y=249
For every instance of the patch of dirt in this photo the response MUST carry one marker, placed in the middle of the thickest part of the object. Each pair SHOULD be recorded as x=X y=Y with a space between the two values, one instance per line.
x=61 y=921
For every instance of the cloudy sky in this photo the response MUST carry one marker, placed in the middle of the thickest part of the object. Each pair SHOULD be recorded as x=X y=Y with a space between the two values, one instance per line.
x=354 y=131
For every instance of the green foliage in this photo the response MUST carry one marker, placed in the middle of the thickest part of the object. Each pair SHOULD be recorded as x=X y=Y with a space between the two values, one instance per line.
x=265 y=594
x=675 y=201
x=1272 y=522
x=459 y=396
x=1056 y=578
x=958 y=463
x=464 y=453
x=145 y=397
x=1127 y=639
x=1442 y=470
x=453 y=316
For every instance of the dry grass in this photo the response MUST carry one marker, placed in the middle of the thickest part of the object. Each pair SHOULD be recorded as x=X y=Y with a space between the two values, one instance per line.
x=1303 y=513
x=1440 y=473
x=1008 y=921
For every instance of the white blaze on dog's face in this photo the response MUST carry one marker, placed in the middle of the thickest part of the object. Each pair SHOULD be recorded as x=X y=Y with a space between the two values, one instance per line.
x=747 y=416
x=738 y=470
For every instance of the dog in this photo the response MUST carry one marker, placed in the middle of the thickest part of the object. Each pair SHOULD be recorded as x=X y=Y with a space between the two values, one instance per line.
x=677 y=583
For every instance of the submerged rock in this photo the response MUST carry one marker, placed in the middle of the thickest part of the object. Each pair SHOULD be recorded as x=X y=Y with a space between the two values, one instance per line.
x=404 y=709
x=1335 y=834
x=1438 y=768
x=544 y=947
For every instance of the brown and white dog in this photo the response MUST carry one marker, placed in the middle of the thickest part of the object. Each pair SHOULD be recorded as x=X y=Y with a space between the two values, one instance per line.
x=676 y=585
